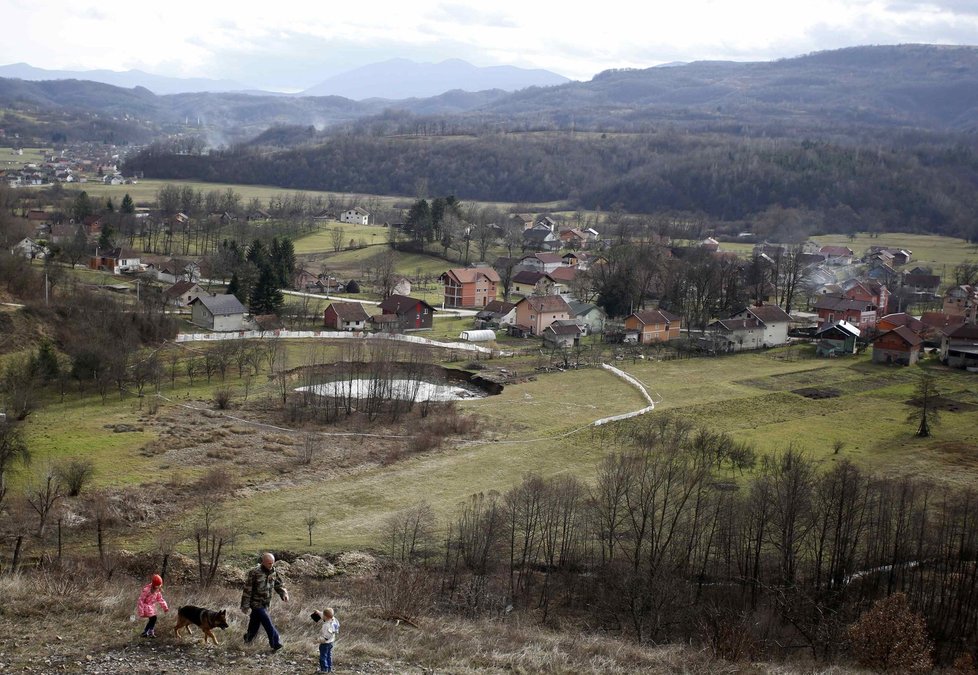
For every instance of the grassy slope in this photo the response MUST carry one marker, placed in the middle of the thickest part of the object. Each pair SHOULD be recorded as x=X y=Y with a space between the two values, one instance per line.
x=750 y=396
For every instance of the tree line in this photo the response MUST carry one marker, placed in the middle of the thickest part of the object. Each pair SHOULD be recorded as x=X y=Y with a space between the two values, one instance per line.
x=668 y=540
x=898 y=184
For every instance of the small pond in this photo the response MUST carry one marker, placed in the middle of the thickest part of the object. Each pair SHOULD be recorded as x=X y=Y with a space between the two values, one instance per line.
x=405 y=390
x=434 y=383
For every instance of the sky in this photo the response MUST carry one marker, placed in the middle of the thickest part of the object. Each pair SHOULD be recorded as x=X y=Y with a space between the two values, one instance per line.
x=289 y=45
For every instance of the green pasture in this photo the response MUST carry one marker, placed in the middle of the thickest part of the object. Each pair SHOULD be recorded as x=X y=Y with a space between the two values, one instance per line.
x=929 y=250
x=9 y=159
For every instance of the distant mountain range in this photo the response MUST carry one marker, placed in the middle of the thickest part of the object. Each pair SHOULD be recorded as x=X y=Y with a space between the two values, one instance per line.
x=393 y=79
x=402 y=78
x=927 y=87
x=128 y=79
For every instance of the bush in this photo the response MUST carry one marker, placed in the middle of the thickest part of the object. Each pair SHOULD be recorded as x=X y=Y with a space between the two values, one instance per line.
x=74 y=474
x=891 y=637
x=222 y=398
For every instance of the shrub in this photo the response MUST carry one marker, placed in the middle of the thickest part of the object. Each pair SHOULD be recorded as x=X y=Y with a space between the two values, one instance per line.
x=891 y=637
x=74 y=474
x=222 y=398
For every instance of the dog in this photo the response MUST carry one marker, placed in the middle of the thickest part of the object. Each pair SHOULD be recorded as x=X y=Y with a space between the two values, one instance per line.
x=207 y=620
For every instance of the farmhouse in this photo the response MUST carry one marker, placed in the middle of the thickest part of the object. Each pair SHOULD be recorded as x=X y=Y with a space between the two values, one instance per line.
x=28 y=248
x=589 y=317
x=217 y=312
x=833 y=308
x=959 y=346
x=345 y=316
x=962 y=301
x=652 y=325
x=772 y=319
x=835 y=339
x=495 y=314
x=540 y=262
x=116 y=260
x=182 y=293
x=528 y=282
x=470 y=286
x=540 y=240
x=900 y=345
x=355 y=216
x=411 y=313
x=562 y=333
x=837 y=255
x=535 y=313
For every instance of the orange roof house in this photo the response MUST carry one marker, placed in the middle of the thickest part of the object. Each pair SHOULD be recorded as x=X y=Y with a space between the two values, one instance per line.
x=653 y=325
x=537 y=312
x=470 y=286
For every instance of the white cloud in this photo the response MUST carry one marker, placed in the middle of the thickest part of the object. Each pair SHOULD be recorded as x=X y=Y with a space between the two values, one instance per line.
x=208 y=39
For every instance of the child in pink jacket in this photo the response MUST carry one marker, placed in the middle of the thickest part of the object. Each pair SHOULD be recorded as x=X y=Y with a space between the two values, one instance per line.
x=146 y=605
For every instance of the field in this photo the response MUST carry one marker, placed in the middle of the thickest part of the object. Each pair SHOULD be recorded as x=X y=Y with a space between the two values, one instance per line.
x=929 y=250
x=10 y=160
x=540 y=424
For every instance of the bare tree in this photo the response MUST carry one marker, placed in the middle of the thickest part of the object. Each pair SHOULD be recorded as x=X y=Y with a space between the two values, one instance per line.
x=43 y=494
x=926 y=400
x=13 y=451
x=336 y=236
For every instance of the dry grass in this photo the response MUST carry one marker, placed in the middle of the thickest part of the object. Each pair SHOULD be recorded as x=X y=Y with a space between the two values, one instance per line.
x=72 y=616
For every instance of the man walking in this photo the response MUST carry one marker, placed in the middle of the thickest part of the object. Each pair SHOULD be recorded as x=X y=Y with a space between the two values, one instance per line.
x=257 y=596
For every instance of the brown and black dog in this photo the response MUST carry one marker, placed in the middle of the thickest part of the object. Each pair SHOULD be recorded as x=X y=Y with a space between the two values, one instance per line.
x=205 y=618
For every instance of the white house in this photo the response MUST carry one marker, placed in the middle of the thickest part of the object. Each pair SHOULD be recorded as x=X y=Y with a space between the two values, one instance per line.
x=217 y=312
x=28 y=248
x=771 y=319
x=355 y=216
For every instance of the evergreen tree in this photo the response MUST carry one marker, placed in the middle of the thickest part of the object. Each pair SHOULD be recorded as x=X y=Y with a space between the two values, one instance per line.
x=47 y=362
x=234 y=288
x=257 y=254
x=82 y=207
x=109 y=206
x=106 y=240
x=266 y=298
x=128 y=207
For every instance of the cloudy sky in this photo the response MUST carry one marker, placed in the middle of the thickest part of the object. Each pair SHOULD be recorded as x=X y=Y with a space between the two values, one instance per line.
x=293 y=44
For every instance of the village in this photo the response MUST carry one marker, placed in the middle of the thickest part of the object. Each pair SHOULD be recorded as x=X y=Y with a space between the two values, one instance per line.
x=841 y=301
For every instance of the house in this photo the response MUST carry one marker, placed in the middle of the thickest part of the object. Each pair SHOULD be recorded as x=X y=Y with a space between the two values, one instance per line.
x=589 y=317
x=773 y=321
x=900 y=345
x=528 y=282
x=355 y=216
x=402 y=286
x=836 y=338
x=217 y=312
x=871 y=291
x=652 y=325
x=891 y=321
x=173 y=270
x=30 y=249
x=563 y=280
x=734 y=335
x=495 y=314
x=540 y=240
x=182 y=293
x=833 y=308
x=959 y=346
x=345 y=316
x=535 y=313
x=573 y=238
x=540 y=262
x=922 y=284
x=709 y=244
x=936 y=324
x=411 y=313
x=37 y=216
x=386 y=323
x=545 y=222
x=62 y=233
x=962 y=301
x=116 y=260
x=523 y=221
x=562 y=333
x=470 y=286
x=303 y=279
x=837 y=255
